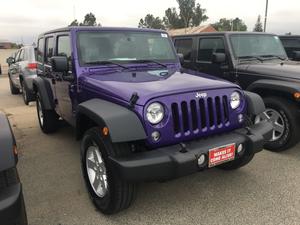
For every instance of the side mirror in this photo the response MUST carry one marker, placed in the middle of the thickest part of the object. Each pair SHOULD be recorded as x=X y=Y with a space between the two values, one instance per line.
x=10 y=60
x=296 y=55
x=218 y=58
x=59 y=64
x=181 y=58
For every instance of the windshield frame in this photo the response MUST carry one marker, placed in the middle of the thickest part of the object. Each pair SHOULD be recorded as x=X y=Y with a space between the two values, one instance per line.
x=125 y=62
x=252 y=34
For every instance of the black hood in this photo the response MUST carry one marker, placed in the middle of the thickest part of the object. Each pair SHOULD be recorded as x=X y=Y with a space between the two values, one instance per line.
x=280 y=69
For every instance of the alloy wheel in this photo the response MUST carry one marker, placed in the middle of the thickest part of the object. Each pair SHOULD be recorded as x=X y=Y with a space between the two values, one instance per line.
x=40 y=112
x=96 y=170
x=276 y=119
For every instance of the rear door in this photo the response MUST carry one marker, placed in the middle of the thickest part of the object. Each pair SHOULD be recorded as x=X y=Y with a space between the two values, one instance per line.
x=185 y=46
x=65 y=88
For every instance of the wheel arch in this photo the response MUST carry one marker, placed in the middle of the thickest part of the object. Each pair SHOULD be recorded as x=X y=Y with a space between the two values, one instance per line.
x=278 y=88
x=43 y=87
x=122 y=123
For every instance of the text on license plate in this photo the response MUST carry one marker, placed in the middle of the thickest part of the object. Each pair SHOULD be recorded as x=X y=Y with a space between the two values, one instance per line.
x=221 y=155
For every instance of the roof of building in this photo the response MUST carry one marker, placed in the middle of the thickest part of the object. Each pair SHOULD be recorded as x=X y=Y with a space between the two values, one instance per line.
x=192 y=30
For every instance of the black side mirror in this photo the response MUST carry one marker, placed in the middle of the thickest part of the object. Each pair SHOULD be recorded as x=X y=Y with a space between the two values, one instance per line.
x=10 y=60
x=181 y=58
x=59 y=64
x=296 y=55
x=218 y=58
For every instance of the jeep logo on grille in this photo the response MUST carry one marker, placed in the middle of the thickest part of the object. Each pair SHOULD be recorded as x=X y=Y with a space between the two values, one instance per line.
x=201 y=95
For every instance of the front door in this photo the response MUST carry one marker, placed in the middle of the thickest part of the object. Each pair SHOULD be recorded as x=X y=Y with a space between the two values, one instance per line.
x=206 y=47
x=65 y=87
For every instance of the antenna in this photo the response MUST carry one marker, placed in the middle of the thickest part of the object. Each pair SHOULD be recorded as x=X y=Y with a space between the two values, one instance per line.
x=266 y=15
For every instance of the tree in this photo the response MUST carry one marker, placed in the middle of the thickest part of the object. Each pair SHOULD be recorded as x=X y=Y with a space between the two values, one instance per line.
x=74 y=23
x=230 y=25
x=172 y=19
x=89 y=20
x=258 y=26
x=190 y=15
x=151 y=22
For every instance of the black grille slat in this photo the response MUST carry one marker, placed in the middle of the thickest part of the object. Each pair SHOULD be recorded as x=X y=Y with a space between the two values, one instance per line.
x=185 y=116
x=200 y=115
x=175 y=115
x=194 y=115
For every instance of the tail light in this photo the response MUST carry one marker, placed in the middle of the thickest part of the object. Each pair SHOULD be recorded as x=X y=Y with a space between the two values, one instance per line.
x=32 y=66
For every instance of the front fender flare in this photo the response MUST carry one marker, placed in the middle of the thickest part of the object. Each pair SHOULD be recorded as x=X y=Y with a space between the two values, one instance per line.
x=123 y=124
x=275 y=85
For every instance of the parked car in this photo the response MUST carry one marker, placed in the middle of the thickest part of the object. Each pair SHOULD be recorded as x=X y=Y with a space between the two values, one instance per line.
x=140 y=117
x=258 y=63
x=22 y=70
x=12 y=207
x=291 y=43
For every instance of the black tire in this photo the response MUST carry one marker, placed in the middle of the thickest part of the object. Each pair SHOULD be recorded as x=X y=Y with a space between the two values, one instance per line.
x=23 y=216
x=239 y=162
x=14 y=90
x=288 y=111
x=25 y=93
x=48 y=119
x=120 y=194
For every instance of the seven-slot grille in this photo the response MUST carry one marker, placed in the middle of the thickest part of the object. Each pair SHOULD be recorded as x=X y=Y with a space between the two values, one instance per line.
x=200 y=115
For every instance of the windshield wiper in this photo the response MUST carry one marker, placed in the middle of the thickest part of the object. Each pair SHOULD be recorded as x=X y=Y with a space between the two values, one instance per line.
x=251 y=58
x=272 y=56
x=148 y=61
x=105 y=63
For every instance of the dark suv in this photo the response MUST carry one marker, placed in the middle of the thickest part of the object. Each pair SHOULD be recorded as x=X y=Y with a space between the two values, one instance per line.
x=22 y=70
x=258 y=63
x=140 y=116
x=12 y=207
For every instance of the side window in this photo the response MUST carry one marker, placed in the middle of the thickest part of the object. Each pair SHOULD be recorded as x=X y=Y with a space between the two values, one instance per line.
x=184 y=46
x=209 y=46
x=40 y=50
x=49 y=49
x=21 y=56
x=64 y=46
x=17 y=55
x=290 y=43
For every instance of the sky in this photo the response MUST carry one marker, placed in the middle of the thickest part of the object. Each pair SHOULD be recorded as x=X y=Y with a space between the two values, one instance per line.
x=22 y=20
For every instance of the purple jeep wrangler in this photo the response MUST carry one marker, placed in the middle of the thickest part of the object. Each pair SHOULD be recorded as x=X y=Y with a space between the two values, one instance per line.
x=140 y=116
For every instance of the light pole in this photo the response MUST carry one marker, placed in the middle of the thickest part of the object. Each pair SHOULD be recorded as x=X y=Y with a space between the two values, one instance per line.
x=266 y=15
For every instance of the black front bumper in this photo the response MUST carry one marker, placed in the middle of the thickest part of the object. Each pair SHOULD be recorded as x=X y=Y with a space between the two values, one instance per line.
x=12 y=208
x=171 y=162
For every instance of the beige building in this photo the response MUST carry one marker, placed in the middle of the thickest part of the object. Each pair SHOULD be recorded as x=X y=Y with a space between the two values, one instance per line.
x=192 y=30
x=5 y=44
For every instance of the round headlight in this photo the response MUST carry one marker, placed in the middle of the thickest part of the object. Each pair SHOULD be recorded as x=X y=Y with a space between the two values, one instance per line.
x=155 y=113
x=235 y=100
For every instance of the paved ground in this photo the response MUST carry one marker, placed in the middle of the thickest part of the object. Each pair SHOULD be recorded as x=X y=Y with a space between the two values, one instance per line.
x=266 y=192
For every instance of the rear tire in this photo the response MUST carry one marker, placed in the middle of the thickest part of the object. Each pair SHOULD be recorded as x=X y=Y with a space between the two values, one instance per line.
x=13 y=89
x=25 y=93
x=286 y=114
x=48 y=119
x=111 y=194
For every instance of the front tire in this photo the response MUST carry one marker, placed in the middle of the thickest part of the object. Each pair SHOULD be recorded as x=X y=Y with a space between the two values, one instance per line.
x=109 y=193
x=283 y=115
x=48 y=119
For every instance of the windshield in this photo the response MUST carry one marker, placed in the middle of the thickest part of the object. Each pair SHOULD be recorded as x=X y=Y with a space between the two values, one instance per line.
x=124 y=47
x=256 y=46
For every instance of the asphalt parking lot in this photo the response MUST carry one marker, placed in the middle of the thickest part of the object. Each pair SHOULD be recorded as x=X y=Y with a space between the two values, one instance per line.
x=264 y=192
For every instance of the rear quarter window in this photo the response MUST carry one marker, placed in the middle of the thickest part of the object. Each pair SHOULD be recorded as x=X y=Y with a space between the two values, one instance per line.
x=40 y=50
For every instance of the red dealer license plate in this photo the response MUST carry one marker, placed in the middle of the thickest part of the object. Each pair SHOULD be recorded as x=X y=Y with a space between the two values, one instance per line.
x=221 y=155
